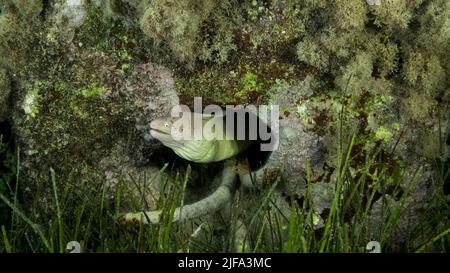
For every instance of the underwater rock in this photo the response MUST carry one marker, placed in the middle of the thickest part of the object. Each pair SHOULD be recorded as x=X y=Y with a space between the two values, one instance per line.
x=150 y=92
x=139 y=181
x=68 y=15
x=13 y=44
x=408 y=219
x=25 y=8
x=120 y=9
x=384 y=203
x=147 y=93
x=4 y=94
x=406 y=212
x=298 y=145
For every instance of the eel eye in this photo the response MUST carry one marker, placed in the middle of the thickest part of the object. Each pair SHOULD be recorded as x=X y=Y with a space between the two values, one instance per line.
x=166 y=125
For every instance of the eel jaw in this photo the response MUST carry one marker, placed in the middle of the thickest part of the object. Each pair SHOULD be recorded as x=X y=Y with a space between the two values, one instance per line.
x=160 y=135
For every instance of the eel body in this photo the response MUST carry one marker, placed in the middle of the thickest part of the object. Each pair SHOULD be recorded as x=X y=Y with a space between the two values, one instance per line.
x=211 y=203
x=209 y=147
x=205 y=150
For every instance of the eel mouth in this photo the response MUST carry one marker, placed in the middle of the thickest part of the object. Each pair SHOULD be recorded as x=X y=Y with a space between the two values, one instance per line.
x=159 y=131
x=156 y=133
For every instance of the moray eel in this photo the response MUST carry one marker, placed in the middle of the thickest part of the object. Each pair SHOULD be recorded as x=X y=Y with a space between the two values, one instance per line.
x=204 y=150
x=200 y=151
x=209 y=204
